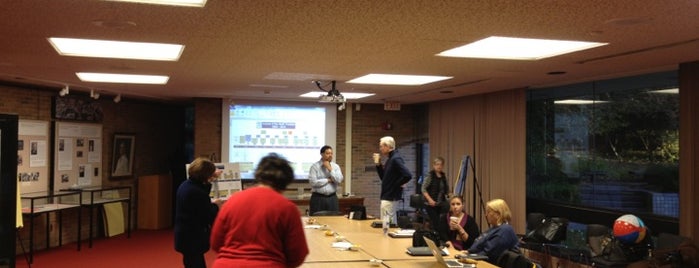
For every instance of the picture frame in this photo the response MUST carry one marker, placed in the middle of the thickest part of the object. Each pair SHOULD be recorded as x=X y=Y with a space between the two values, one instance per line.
x=78 y=108
x=122 y=155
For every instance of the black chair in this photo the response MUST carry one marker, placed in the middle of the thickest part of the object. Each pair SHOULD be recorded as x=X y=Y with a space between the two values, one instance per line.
x=534 y=219
x=514 y=259
x=417 y=201
x=326 y=213
x=597 y=236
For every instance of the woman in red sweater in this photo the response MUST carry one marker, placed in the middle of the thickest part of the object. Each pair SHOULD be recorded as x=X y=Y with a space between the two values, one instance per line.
x=259 y=227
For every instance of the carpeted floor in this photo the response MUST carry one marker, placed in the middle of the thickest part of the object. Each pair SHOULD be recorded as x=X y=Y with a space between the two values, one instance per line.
x=145 y=248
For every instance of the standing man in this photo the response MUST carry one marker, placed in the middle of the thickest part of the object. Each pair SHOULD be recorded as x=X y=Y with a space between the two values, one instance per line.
x=393 y=174
x=324 y=177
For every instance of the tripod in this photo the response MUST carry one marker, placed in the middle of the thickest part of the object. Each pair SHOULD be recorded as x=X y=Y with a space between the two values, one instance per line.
x=467 y=161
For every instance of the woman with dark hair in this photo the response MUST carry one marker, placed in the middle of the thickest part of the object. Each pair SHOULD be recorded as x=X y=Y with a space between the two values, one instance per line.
x=195 y=212
x=259 y=227
x=457 y=228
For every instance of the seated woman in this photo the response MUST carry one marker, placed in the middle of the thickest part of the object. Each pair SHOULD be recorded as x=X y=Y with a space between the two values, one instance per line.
x=500 y=237
x=457 y=228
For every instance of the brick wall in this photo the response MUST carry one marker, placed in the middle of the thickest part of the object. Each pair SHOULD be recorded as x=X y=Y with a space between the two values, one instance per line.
x=158 y=128
x=409 y=130
x=207 y=127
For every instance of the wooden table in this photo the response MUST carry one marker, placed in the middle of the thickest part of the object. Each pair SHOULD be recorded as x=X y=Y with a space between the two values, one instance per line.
x=344 y=203
x=321 y=249
x=373 y=245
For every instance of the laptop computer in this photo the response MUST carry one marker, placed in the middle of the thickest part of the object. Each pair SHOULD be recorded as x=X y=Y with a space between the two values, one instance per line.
x=437 y=253
x=450 y=263
x=421 y=251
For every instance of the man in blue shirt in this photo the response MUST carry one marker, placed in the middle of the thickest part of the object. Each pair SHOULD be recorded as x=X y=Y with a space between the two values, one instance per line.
x=324 y=177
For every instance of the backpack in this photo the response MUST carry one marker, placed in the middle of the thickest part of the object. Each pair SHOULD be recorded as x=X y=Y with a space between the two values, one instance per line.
x=419 y=241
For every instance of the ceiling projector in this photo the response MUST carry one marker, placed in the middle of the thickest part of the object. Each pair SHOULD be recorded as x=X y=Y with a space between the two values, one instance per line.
x=331 y=98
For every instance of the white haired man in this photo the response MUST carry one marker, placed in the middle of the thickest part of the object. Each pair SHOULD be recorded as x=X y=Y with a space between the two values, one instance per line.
x=393 y=174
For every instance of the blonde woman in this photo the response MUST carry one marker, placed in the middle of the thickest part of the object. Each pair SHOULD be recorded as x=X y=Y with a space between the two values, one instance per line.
x=500 y=237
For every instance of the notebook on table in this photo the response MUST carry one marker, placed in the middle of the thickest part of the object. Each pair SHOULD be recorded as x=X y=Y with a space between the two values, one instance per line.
x=402 y=233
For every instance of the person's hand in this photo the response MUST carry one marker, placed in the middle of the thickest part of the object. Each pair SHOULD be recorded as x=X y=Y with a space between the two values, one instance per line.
x=217 y=201
x=454 y=224
x=216 y=175
x=432 y=203
x=327 y=165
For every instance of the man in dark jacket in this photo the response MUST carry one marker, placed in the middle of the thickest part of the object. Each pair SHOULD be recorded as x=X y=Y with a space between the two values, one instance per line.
x=393 y=174
x=195 y=213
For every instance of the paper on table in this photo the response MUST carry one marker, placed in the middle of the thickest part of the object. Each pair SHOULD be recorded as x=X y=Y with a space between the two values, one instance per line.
x=405 y=231
x=445 y=250
x=343 y=245
x=313 y=226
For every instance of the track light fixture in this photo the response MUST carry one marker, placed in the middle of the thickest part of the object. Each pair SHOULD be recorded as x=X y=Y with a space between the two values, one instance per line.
x=64 y=91
x=94 y=94
x=117 y=98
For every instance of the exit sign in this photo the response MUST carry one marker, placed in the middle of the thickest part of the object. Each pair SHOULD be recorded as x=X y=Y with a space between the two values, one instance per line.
x=391 y=106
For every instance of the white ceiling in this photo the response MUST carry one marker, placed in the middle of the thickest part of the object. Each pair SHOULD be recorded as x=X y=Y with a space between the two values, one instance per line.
x=273 y=49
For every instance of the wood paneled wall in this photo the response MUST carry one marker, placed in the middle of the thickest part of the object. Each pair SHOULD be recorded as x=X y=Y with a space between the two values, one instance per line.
x=490 y=128
x=689 y=149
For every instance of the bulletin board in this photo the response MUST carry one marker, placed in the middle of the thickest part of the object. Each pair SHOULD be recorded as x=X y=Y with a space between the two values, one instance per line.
x=78 y=155
x=33 y=156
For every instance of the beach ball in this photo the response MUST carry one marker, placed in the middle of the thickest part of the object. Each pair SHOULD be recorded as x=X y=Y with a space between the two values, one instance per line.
x=629 y=229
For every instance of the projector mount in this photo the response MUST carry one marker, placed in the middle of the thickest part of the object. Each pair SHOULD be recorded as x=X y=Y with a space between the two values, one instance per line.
x=333 y=96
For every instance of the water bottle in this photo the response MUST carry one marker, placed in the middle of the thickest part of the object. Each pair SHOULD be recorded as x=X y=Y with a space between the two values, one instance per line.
x=385 y=224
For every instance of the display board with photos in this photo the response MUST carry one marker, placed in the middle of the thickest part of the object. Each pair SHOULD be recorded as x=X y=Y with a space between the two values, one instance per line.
x=78 y=155
x=33 y=156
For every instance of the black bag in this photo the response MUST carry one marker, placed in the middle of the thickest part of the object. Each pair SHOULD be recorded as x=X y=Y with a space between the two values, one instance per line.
x=417 y=201
x=551 y=230
x=359 y=212
x=419 y=241
x=613 y=252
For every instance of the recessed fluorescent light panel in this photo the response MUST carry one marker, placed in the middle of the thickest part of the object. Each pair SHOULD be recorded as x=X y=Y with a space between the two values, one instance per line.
x=189 y=3
x=123 y=78
x=397 y=79
x=116 y=49
x=511 y=48
x=666 y=91
x=347 y=95
x=579 y=102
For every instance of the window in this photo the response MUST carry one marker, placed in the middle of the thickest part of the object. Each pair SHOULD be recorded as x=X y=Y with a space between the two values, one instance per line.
x=606 y=145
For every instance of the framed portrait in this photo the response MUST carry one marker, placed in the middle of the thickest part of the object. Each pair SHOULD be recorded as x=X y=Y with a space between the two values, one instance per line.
x=123 y=155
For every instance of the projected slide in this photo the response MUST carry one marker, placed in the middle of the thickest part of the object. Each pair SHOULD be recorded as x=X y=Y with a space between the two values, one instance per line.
x=297 y=133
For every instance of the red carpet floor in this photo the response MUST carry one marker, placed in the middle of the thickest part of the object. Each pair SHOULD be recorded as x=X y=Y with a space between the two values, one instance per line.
x=145 y=248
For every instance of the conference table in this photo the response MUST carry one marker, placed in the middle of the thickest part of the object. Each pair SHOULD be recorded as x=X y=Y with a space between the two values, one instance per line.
x=370 y=243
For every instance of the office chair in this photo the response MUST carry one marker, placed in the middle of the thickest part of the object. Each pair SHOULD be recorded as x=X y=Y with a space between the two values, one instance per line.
x=513 y=259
